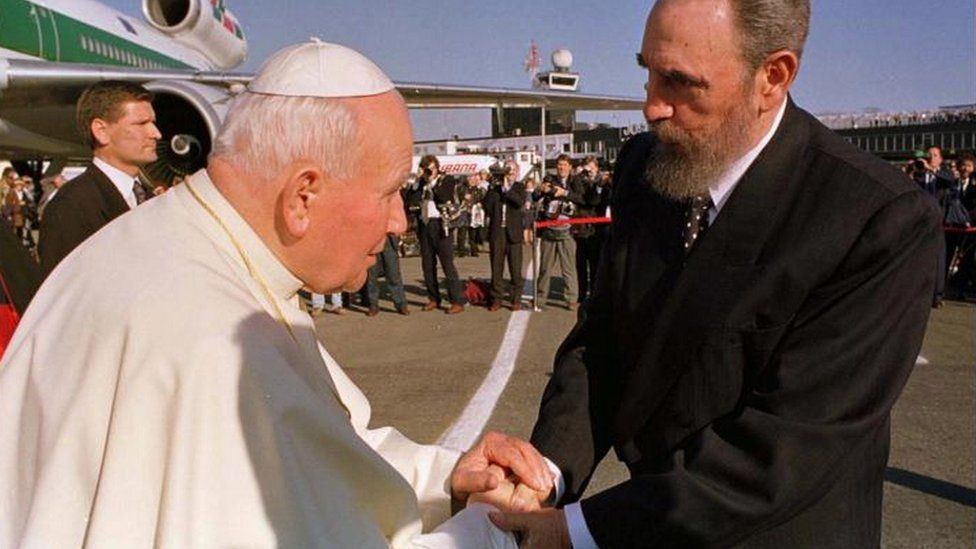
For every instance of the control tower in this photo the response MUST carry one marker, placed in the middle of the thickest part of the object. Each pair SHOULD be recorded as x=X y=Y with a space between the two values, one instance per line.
x=561 y=78
x=513 y=122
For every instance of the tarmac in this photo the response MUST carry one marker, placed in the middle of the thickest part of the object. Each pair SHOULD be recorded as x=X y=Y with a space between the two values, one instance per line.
x=425 y=371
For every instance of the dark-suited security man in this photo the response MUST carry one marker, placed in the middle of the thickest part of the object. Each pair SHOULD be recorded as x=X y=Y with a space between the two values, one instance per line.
x=504 y=205
x=758 y=310
x=117 y=120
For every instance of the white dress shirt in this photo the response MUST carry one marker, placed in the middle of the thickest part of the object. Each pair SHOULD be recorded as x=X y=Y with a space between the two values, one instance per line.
x=579 y=533
x=122 y=181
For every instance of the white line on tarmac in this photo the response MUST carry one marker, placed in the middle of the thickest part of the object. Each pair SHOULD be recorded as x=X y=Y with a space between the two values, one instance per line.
x=466 y=430
x=921 y=361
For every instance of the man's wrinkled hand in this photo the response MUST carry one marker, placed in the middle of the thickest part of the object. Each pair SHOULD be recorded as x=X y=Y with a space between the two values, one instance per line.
x=511 y=457
x=510 y=494
x=543 y=529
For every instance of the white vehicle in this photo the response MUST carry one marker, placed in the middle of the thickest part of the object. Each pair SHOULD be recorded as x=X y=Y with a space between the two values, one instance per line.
x=467 y=164
x=459 y=164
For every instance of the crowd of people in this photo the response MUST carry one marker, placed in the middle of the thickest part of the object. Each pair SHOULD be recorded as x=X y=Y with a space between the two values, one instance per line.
x=498 y=209
x=23 y=202
x=952 y=186
x=889 y=119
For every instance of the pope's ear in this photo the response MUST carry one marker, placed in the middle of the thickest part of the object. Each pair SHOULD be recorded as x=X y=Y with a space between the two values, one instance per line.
x=298 y=197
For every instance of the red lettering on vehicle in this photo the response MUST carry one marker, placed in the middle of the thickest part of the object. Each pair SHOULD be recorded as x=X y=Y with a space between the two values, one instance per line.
x=460 y=168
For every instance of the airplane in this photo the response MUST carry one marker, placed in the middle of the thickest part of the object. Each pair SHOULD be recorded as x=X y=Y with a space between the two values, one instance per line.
x=184 y=52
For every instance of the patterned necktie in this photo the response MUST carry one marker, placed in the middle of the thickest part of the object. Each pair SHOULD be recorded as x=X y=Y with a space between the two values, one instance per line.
x=139 y=191
x=697 y=222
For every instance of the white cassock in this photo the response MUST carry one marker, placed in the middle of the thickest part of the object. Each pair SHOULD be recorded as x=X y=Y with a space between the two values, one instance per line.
x=152 y=396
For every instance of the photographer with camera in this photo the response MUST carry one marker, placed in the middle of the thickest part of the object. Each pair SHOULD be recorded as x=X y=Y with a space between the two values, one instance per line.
x=505 y=205
x=472 y=215
x=437 y=197
x=589 y=237
x=560 y=197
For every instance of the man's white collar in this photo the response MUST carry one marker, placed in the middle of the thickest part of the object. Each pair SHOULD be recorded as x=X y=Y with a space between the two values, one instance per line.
x=726 y=183
x=122 y=181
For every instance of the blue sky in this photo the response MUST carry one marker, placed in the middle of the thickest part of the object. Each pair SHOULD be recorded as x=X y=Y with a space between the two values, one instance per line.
x=886 y=54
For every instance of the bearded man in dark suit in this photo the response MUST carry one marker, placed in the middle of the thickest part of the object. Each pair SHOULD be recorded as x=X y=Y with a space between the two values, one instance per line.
x=118 y=122
x=758 y=309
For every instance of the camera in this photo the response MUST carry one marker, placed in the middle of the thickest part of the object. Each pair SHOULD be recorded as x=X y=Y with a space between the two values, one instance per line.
x=496 y=173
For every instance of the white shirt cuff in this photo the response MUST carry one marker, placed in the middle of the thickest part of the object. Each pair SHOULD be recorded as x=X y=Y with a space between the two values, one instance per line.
x=579 y=533
x=557 y=480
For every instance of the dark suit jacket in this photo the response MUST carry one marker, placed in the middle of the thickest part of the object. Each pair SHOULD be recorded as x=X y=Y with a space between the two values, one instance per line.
x=514 y=203
x=748 y=387
x=587 y=188
x=969 y=198
x=82 y=206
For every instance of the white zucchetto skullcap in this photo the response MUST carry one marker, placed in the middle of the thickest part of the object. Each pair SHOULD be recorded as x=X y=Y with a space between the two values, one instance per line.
x=319 y=69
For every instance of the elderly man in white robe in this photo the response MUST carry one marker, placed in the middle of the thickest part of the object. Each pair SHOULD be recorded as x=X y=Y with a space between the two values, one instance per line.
x=169 y=392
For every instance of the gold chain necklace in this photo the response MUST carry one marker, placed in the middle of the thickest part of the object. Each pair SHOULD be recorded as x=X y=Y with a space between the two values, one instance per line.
x=256 y=275
x=251 y=269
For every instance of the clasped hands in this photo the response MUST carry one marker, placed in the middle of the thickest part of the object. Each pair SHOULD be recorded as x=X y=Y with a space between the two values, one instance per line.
x=510 y=474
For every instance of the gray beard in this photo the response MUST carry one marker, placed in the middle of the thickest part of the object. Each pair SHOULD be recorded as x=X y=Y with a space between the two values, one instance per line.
x=682 y=166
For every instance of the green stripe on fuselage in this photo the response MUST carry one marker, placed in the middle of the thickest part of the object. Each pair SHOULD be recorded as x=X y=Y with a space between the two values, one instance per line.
x=37 y=31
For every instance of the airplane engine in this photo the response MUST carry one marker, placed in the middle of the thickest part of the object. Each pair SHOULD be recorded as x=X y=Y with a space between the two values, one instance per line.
x=188 y=115
x=204 y=25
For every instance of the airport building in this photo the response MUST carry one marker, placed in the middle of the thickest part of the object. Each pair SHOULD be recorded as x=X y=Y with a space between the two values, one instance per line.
x=894 y=137
x=897 y=136
x=522 y=133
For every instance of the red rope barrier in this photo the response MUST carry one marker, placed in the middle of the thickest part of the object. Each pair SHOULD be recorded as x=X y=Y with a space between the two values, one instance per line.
x=576 y=221
x=605 y=220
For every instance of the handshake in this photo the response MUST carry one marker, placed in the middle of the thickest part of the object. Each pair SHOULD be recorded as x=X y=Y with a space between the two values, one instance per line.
x=511 y=475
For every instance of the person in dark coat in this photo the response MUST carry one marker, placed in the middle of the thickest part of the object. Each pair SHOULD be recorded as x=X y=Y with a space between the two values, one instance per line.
x=505 y=205
x=117 y=120
x=759 y=306
x=435 y=194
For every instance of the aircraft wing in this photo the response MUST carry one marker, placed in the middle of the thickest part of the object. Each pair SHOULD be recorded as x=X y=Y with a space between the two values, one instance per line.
x=30 y=77
x=27 y=76
x=437 y=96
x=37 y=107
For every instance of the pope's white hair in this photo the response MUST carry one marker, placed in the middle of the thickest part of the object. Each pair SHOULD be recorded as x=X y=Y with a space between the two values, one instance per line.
x=262 y=134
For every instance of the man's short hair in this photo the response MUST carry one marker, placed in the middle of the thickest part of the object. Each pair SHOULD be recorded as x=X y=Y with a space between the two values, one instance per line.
x=427 y=159
x=966 y=156
x=590 y=159
x=767 y=26
x=7 y=171
x=565 y=157
x=104 y=100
